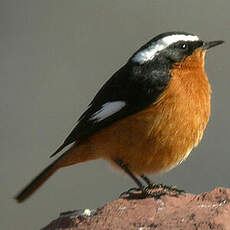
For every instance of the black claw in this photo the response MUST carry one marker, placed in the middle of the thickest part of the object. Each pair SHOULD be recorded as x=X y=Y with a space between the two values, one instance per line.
x=130 y=191
x=155 y=186
x=152 y=190
x=156 y=194
x=164 y=190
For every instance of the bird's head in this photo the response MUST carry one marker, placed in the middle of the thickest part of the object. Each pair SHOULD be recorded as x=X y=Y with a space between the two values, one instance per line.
x=172 y=47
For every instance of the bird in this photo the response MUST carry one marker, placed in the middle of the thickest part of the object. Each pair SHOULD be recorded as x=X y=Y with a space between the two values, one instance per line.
x=147 y=117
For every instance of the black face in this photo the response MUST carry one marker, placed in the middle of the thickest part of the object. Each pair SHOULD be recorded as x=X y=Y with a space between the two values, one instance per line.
x=178 y=51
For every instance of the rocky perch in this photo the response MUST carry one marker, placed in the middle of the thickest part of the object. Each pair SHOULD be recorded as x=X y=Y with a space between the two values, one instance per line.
x=209 y=210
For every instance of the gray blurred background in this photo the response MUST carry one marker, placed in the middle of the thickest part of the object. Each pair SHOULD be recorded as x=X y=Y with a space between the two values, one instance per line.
x=54 y=56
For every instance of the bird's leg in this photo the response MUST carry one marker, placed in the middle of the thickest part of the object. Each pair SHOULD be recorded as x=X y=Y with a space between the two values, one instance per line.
x=165 y=189
x=123 y=166
x=148 y=191
x=151 y=184
x=147 y=180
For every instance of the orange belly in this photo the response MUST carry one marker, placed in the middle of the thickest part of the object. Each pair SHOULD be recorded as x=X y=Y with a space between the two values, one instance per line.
x=161 y=136
x=147 y=142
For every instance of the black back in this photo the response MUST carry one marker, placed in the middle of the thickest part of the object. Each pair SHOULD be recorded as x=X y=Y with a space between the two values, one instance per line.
x=138 y=85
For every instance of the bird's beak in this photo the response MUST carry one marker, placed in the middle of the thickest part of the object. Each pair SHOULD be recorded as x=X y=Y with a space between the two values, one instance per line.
x=207 y=45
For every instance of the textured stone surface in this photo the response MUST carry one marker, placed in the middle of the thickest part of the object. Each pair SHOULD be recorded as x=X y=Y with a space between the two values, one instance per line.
x=209 y=210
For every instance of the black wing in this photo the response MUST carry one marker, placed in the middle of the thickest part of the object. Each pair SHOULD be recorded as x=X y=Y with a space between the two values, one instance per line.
x=138 y=87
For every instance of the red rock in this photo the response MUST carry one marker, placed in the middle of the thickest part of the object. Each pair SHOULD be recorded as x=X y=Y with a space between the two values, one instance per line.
x=209 y=210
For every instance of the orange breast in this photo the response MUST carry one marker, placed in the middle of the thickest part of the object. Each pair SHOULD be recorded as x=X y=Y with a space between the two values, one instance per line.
x=161 y=136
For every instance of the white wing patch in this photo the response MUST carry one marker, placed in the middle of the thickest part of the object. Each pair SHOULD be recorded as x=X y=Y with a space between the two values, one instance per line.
x=150 y=52
x=107 y=110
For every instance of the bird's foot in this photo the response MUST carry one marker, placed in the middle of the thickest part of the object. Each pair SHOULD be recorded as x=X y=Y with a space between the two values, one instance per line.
x=131 y=191
x=158 y=190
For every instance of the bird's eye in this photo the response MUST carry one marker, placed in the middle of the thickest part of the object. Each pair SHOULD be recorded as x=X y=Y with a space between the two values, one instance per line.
x=184 y=46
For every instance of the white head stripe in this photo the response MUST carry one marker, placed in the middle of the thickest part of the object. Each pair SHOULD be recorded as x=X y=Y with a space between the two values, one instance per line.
x=107 y=110
x=150 y=52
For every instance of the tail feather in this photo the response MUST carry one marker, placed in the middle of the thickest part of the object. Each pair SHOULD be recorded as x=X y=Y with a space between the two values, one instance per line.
x=71 y=156
x=37 y=182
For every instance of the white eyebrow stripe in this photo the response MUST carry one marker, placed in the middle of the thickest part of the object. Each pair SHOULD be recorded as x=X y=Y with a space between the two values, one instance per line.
x=107 y=110
x=150 y=52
